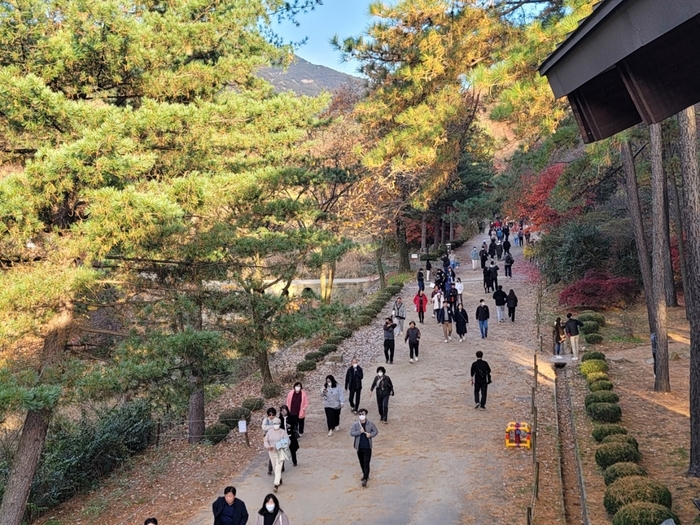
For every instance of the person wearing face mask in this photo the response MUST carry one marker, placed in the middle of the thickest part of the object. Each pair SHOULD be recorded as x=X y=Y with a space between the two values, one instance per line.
x=363 y=430
x=271 y=513
x=353 y=383
x=385 y=388
x=333 y=402
x=286 y=421
x=389 y=327
x=228 y=510
x=276 y=443
x=461 y=321
x=413 y=339
x=267 y=426
x=298 y=402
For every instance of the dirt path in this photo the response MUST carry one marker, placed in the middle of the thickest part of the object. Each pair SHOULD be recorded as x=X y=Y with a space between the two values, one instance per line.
x=438 y=460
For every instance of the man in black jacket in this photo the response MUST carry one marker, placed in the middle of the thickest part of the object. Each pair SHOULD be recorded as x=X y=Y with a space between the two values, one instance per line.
x=353 y=383
x=482 y=315
x=571 y=329
x=228 y=510
x=501 y=298
x=481 y=377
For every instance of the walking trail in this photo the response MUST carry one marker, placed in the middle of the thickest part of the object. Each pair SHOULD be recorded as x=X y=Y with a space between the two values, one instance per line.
x=438 y=460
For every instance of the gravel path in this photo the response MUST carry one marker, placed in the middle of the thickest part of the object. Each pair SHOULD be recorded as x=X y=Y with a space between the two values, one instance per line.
x=437 y=460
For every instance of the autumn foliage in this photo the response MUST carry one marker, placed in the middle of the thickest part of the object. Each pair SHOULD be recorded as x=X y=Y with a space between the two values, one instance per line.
x=600 y=290
x=534 y=202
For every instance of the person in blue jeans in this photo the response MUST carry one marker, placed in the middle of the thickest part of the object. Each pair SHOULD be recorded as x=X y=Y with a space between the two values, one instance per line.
x=482 y=315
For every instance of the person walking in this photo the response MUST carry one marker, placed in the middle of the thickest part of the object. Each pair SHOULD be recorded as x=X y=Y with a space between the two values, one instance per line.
x=267 y=423
x=506 y=246
x=461 y=321
x=445 y=262
x=499 y=250
x=437 y=301
x=286 y=423
x=353 y=383
x=421 y=303
x=484 y=256
x=363 y=430
x=399 y=314
x=385 y=388
x=413 y=339
x=150 y=521
x=333 y=402
x=488 y=283
x=493 y=270
x=276 y=443
x=482 y=315
x=271 y=513
x=492 y=248
x=228 y=510
x=445 y=319
x=389 y=327
x=428 y=267
x=508 y=263
x=501 y=298
x=298 y=402
x=511 y=303
x=474 y=257
x=572 y=330
x=420 y=277
x=481 y=378
x=559 y=336
x=459 y=286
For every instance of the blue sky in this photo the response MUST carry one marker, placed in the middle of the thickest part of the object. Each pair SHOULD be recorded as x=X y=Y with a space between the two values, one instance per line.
x=342 y=17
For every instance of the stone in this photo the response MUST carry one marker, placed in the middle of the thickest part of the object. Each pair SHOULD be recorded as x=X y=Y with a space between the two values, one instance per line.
x=338 y=358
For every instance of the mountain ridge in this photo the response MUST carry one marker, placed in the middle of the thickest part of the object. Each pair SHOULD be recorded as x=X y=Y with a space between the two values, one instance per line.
x=304 y=78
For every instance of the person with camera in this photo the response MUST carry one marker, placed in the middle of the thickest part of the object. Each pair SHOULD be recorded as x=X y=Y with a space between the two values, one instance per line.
x=363 y=430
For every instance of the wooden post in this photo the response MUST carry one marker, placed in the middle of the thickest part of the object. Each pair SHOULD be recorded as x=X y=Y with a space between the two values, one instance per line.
x=529 y=516
x=247 y=439
x=536 y=493
x=536 y=371
x=532 y=401
x=158 y=433
x=533 y=438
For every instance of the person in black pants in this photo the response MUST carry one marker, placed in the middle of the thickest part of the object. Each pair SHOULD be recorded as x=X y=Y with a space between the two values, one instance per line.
x=287 y=424
x=389 y=326
x=413 y=339
x=481 y=377
x=353 y=383
x=363 y=431
x=385 y=388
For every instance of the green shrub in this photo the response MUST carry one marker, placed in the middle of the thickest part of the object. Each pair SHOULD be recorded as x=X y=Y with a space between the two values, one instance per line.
x=611 y=453
x=335 y=340
x=216 y=433
x=344 y=333
x=604 y=396
x=600 y=432
x=394 y=289
x=635 y=488
x=600 y=385
x=622 y=470
x=352 y=323
x=644 y=513
x=253 y=403
x=621 y=438
x=592 y=317
x=231 y=416
x=306 y=366
x=270 y=390
x=370 y=311
x=590 y=327
x=363 y=320
x=593 y=339
x=327 y=349
x=314 y=356
x=604 y=412
x=597 y=376
x=587 y=356
x=593 y=365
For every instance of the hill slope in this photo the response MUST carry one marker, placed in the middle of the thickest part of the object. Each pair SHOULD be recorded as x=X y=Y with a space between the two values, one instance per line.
x=305 y=78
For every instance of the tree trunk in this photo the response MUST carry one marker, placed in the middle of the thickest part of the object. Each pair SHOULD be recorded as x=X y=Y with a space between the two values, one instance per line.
x=670 y=283
x=195 y=415
x=404 y=255
x=436 y=229
x=452 y=225
x=36 y=425
x=660 y=258
x=379 y=253
x=691 y=199
x=675 y=201
x=635 y=211
x=327 y=277
x=442 y=231
x=423 y=233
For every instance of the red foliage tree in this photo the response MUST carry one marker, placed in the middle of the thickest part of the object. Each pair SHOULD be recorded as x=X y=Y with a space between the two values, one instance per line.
x=600 y=290
x=534 y=203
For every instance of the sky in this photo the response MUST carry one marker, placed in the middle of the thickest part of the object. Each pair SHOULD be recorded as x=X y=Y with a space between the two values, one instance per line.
x=335 y=17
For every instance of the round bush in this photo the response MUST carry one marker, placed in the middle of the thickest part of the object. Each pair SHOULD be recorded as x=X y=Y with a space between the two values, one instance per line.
x=253 y=403
x=587 y=356
x=363 y=320
x=635 y=488
x=327 y=349
x=335 y=340
x=306 y=366
x=369 y=311
x=590 y=327
x=344 y=333
x=604 y=412
x=593 y=339
x=592 y=317
x=352 y=323
x=216 y=433
x=644 y=513
x=603 y=396
x=597 y=376
x=621 y=438
x=231 y=416
x=622 y=470
x=270 y=390
x=611 y=453
x=593 y=365
x=314 y=356
x=600 y=432
x=600 y=385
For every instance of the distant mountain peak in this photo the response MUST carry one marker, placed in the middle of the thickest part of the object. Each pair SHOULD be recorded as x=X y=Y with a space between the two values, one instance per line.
x=304 y=78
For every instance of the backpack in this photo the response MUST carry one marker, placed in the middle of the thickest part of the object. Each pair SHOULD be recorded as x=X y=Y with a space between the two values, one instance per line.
x=509 y=259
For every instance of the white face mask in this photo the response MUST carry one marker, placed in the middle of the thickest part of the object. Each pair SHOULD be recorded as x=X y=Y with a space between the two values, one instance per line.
x=276 y=427
x=297 y=388
x=270 y=507
x=354 y=365
x=328 y=384
x=363 y=417
x=380 y=374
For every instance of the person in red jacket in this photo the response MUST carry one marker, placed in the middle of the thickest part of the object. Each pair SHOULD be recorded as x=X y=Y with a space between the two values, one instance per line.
x=421 y=302
x=298 y=402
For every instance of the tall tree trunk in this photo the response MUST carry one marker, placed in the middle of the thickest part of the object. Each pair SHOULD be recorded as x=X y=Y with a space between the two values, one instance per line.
x=36 y=425
x=452 y=225
x=635 y=211
x=327 y=277
x=195 y=414
x=436 y=229
x=404 y=255
x=661 y=254
x=691 y=198
x=670 y=283
x=423 y=233
x=442 y=231
x=675 y=201
x=379 y=254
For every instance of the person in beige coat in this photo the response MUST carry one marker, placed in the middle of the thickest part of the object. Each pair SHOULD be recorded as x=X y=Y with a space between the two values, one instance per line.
x=271 y=513
x=276 y=441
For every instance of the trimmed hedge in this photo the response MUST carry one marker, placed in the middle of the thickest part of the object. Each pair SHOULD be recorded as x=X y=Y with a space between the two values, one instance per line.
x=592 y=317
x=590 y=327
x=363 y=320
x=587 y=356
x=593 y=365
x=352 y=323
x=327 y=349
x=335 y=340
x=231 y=416
x=600 y=385
x=635 y=488
x=314 y=356
x=597 y=376
x=603 y=396
x=611 y=453
x=621 y=438
x=344 y=333
x=644 y=513
x=602 y=431
x=622 y=470
x=593 y=339
x=216 y=433
x=306 y=366
x=604 y=412
x=270 y=390
x=253 y=403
